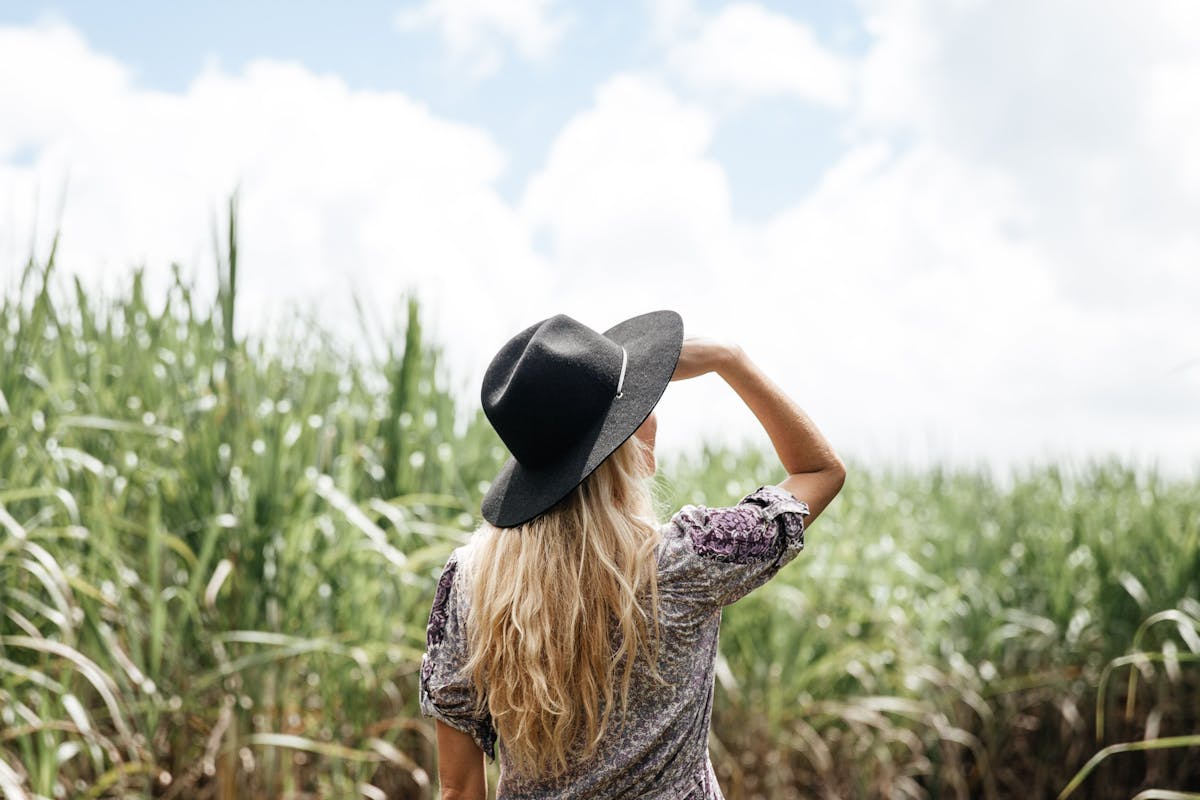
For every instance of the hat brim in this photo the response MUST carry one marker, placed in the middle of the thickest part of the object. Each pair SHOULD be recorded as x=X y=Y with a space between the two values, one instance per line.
x=653 y=342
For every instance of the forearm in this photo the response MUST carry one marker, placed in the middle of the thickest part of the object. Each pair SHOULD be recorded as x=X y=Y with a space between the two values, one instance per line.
x=473 y=788
x=454 y=794
x=800 y=446
x=461 y=769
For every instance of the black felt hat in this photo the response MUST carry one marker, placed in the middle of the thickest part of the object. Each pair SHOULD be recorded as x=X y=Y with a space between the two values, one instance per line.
x=563 y=397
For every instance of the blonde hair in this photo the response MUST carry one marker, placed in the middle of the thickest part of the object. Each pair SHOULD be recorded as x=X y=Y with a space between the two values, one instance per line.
x=561 y=609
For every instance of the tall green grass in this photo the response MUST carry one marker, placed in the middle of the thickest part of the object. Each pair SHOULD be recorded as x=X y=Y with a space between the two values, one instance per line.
x=942 y=637
x=217 y=556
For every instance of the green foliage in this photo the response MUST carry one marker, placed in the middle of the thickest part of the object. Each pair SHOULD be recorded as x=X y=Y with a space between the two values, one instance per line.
x=207 y=543
x=217 y=557
x=933 y=615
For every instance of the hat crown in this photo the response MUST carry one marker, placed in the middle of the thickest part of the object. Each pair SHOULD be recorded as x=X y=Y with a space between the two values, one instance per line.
x=548 y=386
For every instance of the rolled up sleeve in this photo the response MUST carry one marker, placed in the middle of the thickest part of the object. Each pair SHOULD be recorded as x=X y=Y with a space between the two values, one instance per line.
x=445 y=690
x=716 y=556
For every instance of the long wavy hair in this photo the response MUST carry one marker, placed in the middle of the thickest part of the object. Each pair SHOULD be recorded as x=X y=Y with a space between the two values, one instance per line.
x=563 y=611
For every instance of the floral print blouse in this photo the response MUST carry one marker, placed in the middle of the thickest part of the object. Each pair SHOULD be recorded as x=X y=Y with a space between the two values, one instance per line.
x=708 y=558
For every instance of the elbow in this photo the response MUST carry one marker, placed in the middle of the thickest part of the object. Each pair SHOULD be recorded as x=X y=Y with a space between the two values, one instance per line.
x=452 y=793
x=837 y=471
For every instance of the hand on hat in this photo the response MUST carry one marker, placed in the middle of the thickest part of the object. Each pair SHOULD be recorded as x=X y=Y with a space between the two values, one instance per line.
x=700 y=355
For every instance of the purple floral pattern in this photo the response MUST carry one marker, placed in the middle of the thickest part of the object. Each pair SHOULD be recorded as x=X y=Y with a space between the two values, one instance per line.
x=443 y=693
x=707 y=558
x=753 y=530
x=737 y=536
x=731 y=551
x=435 y=631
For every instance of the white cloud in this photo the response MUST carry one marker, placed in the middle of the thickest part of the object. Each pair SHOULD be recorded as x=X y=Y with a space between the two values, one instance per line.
x=636 y=216
x=339 y=188
x=1001 y=265
x=1079 y=111
x=947 y=290
x=1085 y=110
x=627 y=190
x=846 y=298
x=477 y=32
x=747 y=50
x=672 y=19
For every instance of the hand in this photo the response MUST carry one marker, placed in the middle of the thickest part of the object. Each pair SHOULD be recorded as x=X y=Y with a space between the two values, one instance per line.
x=701 y=355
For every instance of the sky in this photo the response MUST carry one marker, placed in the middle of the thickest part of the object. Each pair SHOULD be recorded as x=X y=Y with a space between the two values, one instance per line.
x=956 y=232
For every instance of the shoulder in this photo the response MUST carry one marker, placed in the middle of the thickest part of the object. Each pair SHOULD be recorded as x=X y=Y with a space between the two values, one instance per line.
x=445 y=597
x=446 y=693
x=456 y=564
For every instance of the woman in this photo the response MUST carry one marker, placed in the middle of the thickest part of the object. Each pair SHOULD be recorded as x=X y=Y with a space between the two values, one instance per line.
x=574 y=637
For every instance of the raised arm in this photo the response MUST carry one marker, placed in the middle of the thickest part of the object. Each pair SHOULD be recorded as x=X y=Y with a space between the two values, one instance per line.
x=815 y=473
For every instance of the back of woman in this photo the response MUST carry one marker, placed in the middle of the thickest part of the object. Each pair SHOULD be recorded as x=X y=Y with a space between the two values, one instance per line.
x=574 y=638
